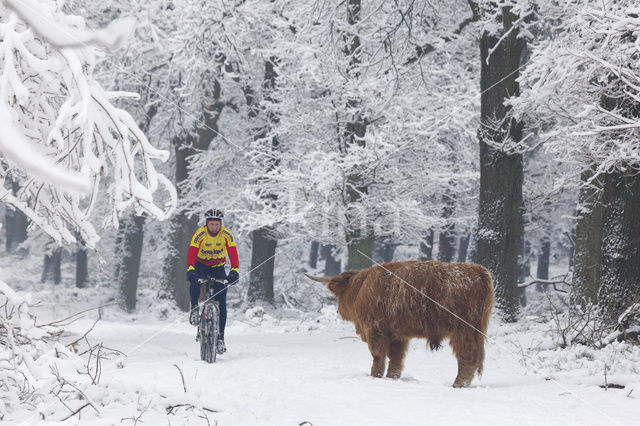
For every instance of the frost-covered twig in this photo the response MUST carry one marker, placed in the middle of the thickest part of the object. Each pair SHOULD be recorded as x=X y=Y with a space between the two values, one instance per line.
x=63 y=321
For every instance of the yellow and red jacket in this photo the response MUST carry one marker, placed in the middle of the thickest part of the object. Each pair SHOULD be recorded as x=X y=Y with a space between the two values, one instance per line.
x=212 y=250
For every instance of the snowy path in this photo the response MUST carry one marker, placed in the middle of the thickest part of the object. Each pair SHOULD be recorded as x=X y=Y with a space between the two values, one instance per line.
x=277 y=378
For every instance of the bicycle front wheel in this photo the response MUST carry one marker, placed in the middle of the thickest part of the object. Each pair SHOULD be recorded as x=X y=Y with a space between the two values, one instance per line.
x=208 y=334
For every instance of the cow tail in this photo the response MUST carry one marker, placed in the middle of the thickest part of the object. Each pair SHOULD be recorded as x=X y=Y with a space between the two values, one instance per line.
x=485 y=314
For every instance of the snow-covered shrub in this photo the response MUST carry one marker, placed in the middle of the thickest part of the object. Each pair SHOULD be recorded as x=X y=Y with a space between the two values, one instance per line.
x=29 y=355
x=574 y=324
x=43 y=379
x=628 y=325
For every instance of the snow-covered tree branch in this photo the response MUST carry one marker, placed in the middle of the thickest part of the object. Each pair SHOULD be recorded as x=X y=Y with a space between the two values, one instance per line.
x=72 y=142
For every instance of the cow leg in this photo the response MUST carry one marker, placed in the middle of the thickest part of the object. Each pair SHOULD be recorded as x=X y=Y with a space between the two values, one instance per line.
x=397 y=351
x=464 y=348
x=378 y=346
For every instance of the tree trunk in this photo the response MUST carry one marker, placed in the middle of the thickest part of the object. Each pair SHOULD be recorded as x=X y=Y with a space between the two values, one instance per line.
x=446 y=244
x=447 y=236
x=620 y=271
x=383 y=249
x=132 y=230
x=52 y=261
x=332 y=266
x=360 y=237
x=183 y=226
x=263 y=248
x=543 y=264
x=82 y=265
x=426 y=246
x=587 y=256
x=16 y=224
x=313 y=255
x=464 y=247
x=472 y=257
x=500 y=208
x=524 y=268
x=360 y=250
x=57 y=263
x=571 y=237
x=524 y=260
x=263 y=251
x=175 y=266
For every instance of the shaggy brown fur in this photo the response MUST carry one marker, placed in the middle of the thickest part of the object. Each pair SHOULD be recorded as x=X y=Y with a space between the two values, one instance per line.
x=387 y=312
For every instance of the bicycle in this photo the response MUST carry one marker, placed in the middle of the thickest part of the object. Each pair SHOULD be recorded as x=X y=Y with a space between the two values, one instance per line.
x=209 y=327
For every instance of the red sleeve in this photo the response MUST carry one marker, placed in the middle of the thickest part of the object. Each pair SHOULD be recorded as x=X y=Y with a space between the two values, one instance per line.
x=192 y=255
x=233 y=256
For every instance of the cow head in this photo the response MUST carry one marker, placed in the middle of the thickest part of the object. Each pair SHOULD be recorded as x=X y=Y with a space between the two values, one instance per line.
x=338 y=285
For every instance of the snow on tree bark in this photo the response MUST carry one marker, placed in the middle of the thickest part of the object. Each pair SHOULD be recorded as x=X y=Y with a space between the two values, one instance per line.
x=620 y=271
x=587 y=257
x=501 y=172
x=360 y=236
x=264 y=239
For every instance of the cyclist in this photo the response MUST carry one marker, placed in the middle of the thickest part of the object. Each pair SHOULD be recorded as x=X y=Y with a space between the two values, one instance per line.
x=206 y=258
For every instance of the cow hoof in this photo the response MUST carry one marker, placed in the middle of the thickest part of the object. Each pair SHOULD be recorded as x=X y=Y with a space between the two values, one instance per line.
x=376 y=374
x=393 y=375
x=460 y=383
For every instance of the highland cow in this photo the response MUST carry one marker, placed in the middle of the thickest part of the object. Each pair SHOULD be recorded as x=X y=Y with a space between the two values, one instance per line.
x=394 y=302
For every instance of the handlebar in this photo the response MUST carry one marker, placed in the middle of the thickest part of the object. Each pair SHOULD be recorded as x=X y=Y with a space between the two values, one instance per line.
x=212 y=280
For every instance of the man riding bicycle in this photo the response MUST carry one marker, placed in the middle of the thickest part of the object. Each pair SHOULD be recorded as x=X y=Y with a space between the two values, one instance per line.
x=206 y=258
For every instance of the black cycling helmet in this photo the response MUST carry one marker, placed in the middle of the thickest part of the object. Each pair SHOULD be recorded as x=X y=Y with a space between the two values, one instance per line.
x=213 y=214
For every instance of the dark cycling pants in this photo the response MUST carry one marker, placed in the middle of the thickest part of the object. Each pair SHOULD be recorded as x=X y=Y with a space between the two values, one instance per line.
x=218 y=273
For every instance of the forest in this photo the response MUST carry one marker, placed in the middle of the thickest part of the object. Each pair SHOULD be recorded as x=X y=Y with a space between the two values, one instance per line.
x=334 y=135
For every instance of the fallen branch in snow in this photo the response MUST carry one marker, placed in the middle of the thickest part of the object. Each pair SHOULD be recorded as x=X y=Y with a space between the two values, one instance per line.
x=77 y=411
x=612 y=386
x=184 y=386
x=552 y=282
x=171 y=408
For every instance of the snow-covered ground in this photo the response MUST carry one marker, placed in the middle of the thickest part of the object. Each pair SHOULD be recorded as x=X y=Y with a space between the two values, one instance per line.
x=279 y=377
x=287 y=368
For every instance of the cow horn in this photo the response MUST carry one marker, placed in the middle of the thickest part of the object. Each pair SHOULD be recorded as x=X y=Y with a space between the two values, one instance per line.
x=319 y=279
